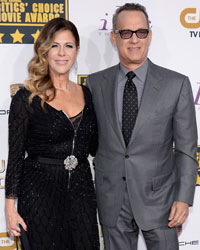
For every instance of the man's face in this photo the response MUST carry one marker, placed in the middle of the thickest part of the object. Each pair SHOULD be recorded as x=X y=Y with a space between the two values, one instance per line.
x=133 y=51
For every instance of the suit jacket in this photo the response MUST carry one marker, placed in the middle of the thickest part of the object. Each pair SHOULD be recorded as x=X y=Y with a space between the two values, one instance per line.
x=156 y=175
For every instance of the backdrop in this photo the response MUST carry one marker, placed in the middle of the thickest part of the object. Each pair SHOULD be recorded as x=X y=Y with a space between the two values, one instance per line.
x=175 y=45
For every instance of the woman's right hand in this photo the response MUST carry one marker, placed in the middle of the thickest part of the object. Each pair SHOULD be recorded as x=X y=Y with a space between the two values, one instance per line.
x=13 y=218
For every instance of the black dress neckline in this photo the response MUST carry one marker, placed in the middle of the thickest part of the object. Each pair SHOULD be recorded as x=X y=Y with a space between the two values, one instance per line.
x=62 y=111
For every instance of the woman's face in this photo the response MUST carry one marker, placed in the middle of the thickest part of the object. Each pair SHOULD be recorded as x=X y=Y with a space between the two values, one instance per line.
x=62 y=54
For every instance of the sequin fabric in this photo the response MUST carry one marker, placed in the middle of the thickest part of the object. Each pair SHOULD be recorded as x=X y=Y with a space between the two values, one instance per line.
x=60 y=212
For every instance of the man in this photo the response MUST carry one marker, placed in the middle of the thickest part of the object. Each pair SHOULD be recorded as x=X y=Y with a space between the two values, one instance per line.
x=142 y=182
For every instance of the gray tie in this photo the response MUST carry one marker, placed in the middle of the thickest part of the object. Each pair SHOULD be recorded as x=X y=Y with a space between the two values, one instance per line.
x=130 y=107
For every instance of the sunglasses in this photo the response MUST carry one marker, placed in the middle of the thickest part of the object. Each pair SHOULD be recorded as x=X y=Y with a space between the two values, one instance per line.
x=127 y=34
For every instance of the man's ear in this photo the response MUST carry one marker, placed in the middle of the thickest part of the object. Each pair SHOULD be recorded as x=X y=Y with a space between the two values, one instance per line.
x=150 y=36
x=113 y=38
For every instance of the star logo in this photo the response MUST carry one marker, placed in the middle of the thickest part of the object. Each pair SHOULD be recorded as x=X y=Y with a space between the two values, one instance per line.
x=1 y=35
x=35 y=35
x=17 y=36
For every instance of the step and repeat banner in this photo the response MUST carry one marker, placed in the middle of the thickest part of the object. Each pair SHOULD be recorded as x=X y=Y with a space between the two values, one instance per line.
x=175 y=45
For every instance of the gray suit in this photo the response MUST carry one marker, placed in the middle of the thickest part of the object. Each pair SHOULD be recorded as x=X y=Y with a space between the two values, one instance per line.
x=155 y=175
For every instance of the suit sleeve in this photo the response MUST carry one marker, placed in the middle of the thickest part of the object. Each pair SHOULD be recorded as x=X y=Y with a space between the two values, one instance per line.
x=185 y=138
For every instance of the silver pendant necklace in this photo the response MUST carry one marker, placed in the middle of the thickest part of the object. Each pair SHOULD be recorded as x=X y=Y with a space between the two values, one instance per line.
x=71 y=161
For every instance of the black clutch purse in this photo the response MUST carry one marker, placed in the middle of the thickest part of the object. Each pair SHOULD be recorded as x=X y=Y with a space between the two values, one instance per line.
x=23 y=239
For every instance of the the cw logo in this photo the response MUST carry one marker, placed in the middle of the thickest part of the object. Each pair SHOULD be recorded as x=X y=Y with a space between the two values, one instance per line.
x=190 y=18
x=6 y=243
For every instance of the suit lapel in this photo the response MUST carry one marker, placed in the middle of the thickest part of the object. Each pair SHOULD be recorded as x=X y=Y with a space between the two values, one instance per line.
x=149 y=99
x=109 y=93
x=147 y=105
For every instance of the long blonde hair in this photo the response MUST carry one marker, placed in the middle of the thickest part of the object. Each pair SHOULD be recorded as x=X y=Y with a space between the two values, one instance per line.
x=39 y=81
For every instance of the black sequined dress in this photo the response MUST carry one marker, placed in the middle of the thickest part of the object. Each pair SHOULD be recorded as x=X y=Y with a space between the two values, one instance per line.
x=59 y=210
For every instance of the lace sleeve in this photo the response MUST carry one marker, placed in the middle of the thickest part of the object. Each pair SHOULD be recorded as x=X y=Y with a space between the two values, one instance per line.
x=18 y=122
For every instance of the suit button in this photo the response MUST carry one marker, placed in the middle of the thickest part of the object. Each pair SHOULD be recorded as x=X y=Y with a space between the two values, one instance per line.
x=126 y=156
x=123 y=178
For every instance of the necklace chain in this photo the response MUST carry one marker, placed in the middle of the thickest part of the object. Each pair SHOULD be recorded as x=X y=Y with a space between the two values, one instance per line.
x=60 y=88
x=68 y=87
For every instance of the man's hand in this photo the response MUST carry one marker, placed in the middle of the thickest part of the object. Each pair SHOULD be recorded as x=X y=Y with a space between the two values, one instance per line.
x=179 y=213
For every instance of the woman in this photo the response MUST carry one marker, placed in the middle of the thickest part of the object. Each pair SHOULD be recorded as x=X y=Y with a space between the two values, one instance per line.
x=52 y=129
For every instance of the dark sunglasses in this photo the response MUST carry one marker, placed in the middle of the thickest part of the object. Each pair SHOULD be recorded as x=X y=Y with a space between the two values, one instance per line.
x=127 y=34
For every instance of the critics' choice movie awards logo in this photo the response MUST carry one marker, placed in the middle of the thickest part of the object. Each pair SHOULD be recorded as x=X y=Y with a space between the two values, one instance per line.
x=190 y=19
x=7 y=243
x=2 y=174
x=22 y=20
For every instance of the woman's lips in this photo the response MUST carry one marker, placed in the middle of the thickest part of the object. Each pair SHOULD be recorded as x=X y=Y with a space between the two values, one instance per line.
x=61 y=62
